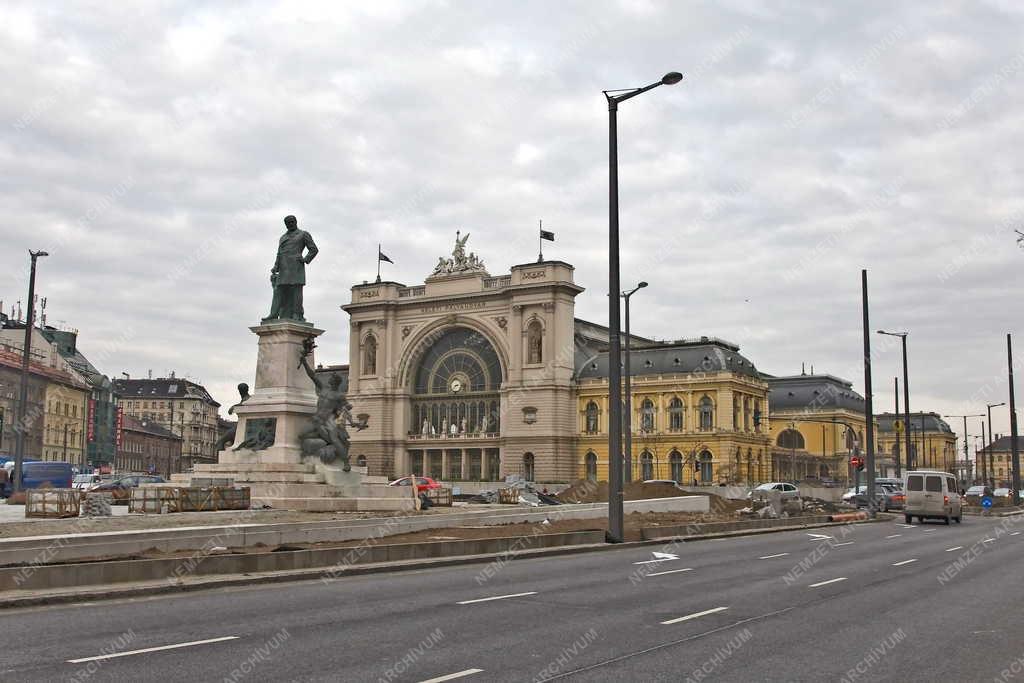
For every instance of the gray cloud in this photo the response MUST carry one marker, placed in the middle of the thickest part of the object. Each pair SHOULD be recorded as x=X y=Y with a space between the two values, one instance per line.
x=154 y=152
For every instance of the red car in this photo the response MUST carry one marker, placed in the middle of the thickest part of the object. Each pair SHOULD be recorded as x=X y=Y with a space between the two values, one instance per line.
x=422 y=483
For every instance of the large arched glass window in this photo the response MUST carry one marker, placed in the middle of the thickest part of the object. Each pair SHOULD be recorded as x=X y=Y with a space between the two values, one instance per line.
x=535 y=342
x=707 y=415
x=675 y=415
x=591 y=465
x=790 y=438
x=646 y=466
x=647 y=416
x=370 y=355
x=675 y=463
x=592 y=415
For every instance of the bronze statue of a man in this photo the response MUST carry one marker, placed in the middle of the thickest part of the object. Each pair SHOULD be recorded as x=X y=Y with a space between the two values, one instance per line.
x=288 y=276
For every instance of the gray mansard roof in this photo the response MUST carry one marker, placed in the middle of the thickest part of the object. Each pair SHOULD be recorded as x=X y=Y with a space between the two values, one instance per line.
x=812 y=392
x=661 y=358
x=932 y=422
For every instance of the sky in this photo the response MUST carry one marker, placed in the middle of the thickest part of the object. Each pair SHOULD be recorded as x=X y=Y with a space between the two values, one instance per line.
x=154 y=148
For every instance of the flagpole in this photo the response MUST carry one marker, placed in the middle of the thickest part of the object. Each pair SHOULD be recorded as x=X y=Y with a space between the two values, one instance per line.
x=378 y=262
x=540 y=241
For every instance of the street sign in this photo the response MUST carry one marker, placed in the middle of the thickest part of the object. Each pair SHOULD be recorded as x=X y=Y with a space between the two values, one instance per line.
x=986 y=502
x=898 y=425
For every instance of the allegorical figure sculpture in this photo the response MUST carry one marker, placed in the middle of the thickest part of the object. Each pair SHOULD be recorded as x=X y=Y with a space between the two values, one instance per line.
x=328 y=436
x=288 y=276
x=227 y=437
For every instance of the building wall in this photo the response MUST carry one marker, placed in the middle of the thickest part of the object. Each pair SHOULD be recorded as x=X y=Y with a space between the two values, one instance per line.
x=193 y=419
x=64 y=423
x=936 y=450
x=739 y=449
x=144 y=452
x=10 y=383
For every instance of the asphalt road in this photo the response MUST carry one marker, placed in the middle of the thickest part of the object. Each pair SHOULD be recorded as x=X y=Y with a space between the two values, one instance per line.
x=873 y=602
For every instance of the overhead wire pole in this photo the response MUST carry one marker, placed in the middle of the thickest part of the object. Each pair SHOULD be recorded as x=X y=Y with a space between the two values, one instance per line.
x=869 y=428
x=1014 y=451
x=991 y=438
x=20 y=426
x=616 y=521
x=908 y=457
x=967 y=457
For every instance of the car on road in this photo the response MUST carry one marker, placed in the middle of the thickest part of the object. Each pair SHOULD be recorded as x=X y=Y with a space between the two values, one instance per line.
x=976 y=493
x=932 y=495
x=422 y=483
x=86 y=482
x=887 y=497
x=664 y=482
x=120 y=488
x=1003 y=493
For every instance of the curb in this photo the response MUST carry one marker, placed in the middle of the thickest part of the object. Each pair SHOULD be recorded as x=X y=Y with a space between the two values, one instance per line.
x=207 y=583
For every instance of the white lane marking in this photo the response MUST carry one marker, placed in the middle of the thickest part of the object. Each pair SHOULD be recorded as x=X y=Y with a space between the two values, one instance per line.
x=1015 y=533
x=825 y=583
x=989 y=540
x=900 y=564
x=672 y=571
x=150 y=649
x=893 y=536
x=956 y=547
x=837 y=545
x=930 y=531
x=769 y=557
x=817 y=537
x=496 y=597
x=906 y=526
x=693 y=616
x=452 y=677
x=659 y=560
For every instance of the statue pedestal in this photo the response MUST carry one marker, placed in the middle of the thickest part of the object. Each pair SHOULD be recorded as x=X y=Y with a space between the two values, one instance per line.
x=281 y=404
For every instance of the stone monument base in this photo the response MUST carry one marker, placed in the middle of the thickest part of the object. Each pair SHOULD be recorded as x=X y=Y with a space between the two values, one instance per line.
x=307 y=486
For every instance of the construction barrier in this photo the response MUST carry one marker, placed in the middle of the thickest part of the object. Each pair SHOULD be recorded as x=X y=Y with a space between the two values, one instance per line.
x=508 y=496
x=52 y=503
x=164 y=499
x=442 y=497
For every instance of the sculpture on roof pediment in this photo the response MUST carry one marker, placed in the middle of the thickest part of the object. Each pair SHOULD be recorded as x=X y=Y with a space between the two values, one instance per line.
x=460 y=261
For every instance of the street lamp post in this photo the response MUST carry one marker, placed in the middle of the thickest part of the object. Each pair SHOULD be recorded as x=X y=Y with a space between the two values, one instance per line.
x=906 y=398
x=19 y=448
x=616 y=529
x=628 y=476
x=991 y=438
x=1014 y=452
x=966 y=449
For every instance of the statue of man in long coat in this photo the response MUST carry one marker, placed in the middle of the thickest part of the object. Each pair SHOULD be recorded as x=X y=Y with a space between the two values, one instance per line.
x=294 y=251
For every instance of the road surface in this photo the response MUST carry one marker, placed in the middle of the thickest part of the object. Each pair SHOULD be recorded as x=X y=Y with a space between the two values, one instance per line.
x=866 y=602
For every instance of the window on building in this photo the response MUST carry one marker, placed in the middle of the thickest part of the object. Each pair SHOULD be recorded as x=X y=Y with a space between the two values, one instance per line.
x=535 y=342
x=675 y=415
x=707 y=415
x=592 y=418
x=646 y=465
x=528 y=467
x=746 y=414
x=647 y=416
x=790 y=438
x=706 y=470
x=675 y=465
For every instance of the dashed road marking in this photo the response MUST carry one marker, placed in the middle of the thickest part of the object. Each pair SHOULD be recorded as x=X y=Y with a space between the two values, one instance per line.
x=496 y=597
x=693 y=616
x=825 y=583
x=672 y=571
x=900 y=564
x=151 y=649
x=837 y=545
x=894 y=536
x=769 y=557
x=956 y=547
x=452 y=677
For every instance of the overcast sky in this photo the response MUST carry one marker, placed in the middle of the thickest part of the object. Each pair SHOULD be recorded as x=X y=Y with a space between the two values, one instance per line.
x=153 y=151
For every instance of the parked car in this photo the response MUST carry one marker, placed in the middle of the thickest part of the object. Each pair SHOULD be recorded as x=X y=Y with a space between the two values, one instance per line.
x=887 y=497
x=665 y=482
x=422 y=483
x=932 y=494
x=120 y=488
x=86 y=482
x=1003 y=493
x=789 y=491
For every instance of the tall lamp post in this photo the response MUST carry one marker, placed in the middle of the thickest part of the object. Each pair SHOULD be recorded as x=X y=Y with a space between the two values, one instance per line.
x=629 y=394
x=616 y=528
x=991 y=438
x=906 y=399
x=1014 y=451
x=19 y=448
x=967 y=458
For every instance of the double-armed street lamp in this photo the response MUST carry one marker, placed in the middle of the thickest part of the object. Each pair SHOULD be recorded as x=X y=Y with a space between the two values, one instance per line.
x=906 y=401
x=21 y=426
x=616 y=527
x=628 y=476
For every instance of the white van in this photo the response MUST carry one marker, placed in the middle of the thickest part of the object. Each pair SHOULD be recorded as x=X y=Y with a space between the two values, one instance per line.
x=932 y=494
